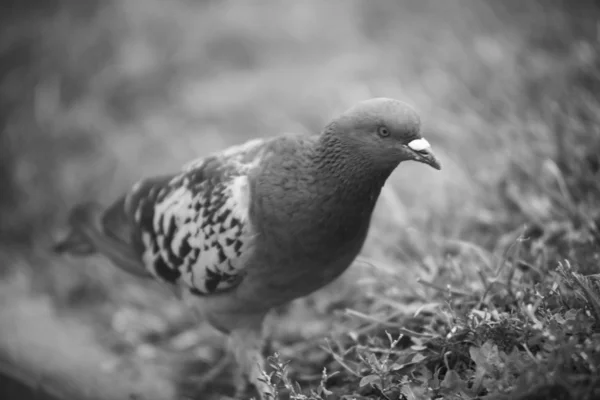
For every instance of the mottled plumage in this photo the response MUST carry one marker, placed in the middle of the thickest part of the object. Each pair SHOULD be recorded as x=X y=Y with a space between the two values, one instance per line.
x=259 y=224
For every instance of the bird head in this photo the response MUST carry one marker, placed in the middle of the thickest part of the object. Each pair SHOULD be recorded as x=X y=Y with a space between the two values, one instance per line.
x=387 y=131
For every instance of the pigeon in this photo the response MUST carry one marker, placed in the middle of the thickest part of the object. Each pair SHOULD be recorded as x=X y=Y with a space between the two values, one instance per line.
x=253 y=227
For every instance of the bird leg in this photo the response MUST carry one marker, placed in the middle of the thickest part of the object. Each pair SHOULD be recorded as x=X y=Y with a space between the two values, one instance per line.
x=247 y=345
x=213 y=373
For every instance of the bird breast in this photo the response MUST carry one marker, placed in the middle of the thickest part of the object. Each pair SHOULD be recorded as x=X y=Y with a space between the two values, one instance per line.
x=306 y=238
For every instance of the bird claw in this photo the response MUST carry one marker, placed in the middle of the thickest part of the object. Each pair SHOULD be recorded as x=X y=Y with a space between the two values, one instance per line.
x=244 y=386
x=211 y=375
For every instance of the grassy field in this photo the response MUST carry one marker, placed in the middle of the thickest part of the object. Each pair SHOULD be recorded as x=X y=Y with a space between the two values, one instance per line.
x=479 y=281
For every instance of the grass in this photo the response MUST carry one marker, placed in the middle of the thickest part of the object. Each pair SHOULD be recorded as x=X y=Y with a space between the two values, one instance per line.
x=476 y=282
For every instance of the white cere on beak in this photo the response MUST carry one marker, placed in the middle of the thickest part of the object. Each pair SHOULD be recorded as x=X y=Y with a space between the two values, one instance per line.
x=419 y=144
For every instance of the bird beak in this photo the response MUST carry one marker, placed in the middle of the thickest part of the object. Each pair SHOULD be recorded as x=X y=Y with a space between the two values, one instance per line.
x=422 y=153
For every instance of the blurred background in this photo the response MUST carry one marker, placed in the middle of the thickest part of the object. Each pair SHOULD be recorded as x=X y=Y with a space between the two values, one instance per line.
x=95 y=95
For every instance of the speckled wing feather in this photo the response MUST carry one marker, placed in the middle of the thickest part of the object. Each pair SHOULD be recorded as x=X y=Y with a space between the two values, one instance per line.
x=193 y=228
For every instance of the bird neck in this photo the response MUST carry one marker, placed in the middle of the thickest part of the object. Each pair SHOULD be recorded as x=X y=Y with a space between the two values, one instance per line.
x=352 y=174
x=348 y=188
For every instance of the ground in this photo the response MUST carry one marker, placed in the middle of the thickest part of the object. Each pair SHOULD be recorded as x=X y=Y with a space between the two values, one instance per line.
x=479 y=281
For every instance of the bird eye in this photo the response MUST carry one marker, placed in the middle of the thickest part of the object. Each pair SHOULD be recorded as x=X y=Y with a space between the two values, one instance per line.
x=383 y=131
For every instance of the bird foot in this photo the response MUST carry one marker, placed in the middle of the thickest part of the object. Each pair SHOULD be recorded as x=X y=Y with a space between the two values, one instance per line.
x=214 y=372
x=249 y=391
x=246 y=387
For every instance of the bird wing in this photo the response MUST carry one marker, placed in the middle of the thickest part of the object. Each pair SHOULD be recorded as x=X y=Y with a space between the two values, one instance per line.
x=195 y=228
x=191 y=228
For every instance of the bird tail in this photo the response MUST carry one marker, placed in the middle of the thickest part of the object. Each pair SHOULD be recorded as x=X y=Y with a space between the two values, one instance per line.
x=83 y=227
x=88 y=235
